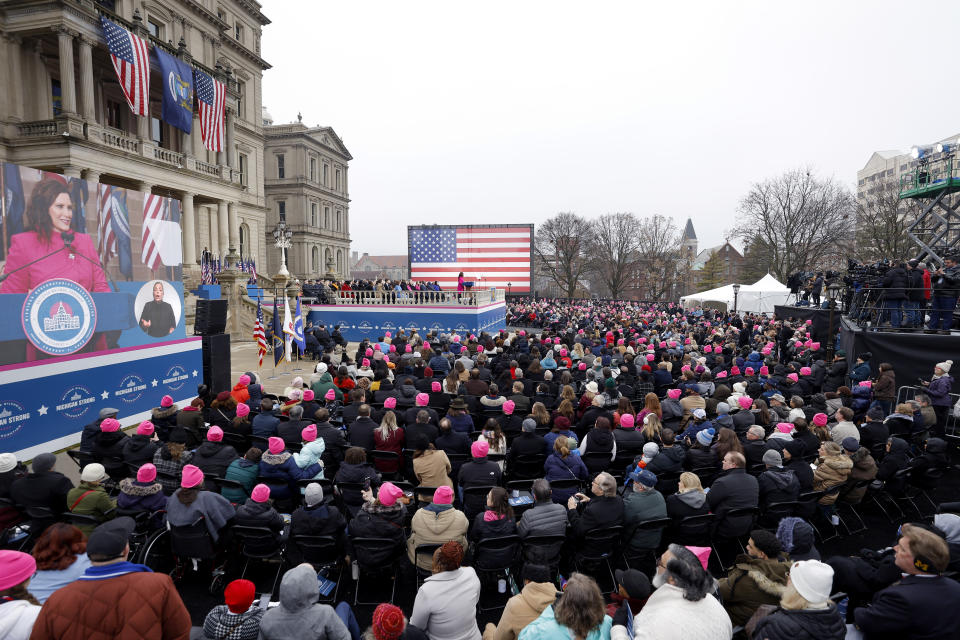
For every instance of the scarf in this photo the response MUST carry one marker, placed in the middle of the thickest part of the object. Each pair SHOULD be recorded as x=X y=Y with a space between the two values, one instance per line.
x=113 y=570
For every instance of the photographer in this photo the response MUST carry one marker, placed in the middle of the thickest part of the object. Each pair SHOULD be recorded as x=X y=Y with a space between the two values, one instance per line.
x=895 y=284
x=916 y=294
x=946 y=282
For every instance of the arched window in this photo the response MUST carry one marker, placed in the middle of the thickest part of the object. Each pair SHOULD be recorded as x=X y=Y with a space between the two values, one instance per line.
x=244 y=242
x=315 y=260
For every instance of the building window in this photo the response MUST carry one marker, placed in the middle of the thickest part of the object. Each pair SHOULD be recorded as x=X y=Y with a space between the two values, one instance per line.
x=338 y=219
x=56 y=95
x=241 y=87
x=282 y=210
x=221 y=14
x=339 y=261
x=238 y=32
x=326 y=217
x=156 y=131
x=338 y=180
x=313 y=169
x=281 y=172
x=326 y=167
x=155 y=28
x=244 y=241
x=313 y=214
x=315 y=260
x=114 y=115
x=243 y=161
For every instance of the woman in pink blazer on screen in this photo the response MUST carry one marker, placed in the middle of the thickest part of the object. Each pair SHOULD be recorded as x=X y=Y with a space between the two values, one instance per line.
x=48 y=217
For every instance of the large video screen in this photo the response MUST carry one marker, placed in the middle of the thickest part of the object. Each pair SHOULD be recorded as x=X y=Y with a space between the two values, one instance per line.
x=488 y=256
x=87 y=268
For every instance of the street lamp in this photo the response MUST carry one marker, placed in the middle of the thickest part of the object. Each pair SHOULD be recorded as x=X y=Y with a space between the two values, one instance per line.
x=833 y=293
x=736 y=293
x=282 y=236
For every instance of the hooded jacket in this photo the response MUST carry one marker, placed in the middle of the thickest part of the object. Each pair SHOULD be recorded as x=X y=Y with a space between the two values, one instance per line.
x=142 y=496
x=752 y=582
x=445 y=606
x=436 y=524
x=778 y=485
x=324 y=384
x=300 y=616
x=864 y=468
x=640 y=506
x=893 y=461
x=802 y=624
x=689 y=503
x=17 y=618
x=214 y=457
x=163 y=419
x=215 y=509
x=521 y=610
x=138 y=449
x=669 y=460
x=281 y=465
x=831 y=471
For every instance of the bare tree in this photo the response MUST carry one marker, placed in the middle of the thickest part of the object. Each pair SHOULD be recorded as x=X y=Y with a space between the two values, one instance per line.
x=797 y=221
x=615 y=251
x=560 y=247
x=882 y=222
x=659 y=257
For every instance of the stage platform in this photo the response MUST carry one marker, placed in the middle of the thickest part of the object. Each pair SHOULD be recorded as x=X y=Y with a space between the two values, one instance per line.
x=368 y=314
x=913 y=354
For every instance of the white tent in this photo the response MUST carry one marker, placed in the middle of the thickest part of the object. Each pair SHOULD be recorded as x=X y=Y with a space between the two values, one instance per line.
x=759 y=297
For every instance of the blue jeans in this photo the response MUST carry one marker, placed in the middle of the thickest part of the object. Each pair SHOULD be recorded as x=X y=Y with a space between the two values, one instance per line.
x=893 y=308
x=345 y=613
x=941 y=312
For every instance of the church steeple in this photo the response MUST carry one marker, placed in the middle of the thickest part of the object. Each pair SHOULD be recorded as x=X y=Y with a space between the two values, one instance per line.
x=689 y=241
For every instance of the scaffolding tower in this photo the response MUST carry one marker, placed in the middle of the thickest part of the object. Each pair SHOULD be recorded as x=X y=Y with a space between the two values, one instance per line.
x=935 y=181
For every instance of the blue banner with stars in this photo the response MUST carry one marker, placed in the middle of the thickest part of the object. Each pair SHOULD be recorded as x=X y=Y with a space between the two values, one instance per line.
x=44 y=407
x=370 y=321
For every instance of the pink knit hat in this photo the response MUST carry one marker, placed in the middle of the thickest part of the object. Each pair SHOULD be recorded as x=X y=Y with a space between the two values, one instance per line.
x=365 y=362
x=674 y=394
x=330 y=394
x=734 y=370
x=191 y=476
x=815 y=346
x=784 y=427
x=376 y=347
x=260 y=493
x=703 y=555
x=243 y=410
x=748 y=371
x=215 y=434
x=393 y=348
x=308 y=395
x=792 y=377
x=620 y=342
x=15 y=567
x=309 y=434
x=745 y=402
x=479 y=449
x=443 y=495
x=166 y=402
x=663 y=345
x=390 y=403
x=509 y=406
x=426 y=345
x=110 y=425
x=435 y=386
x=685 y=367
x=387 y=335
x=368 y=352
x=650 y=357
x=820 y=419
x=764 y=370
x=147 y=473
x=244 y=379
x=673 y=343
x=863 y=383
x=145 y=428
x=407 y=349
x=806 y=371
x=275 y=445
x=708 y=349
x=627 y=421
x=388 y=494
x=295 y=394
x=722 y=374
x=422 y=399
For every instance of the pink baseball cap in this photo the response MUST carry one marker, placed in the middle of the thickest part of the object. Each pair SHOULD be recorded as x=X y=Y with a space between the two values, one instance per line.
x=509 y=406
x=309 y=434
x=275 y=445
x=479 y=449
x=215 y=434
x=388 y=494
x=166 y=402
x=243 y=410
x=147 y=473
x=443 y=495
x=191 y=476
x=260 y=493
x=110 y=425
x=145 y=428
x=390 y=403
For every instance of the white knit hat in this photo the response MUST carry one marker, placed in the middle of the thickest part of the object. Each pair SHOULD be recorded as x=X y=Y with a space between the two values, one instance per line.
x=8 y=462
x=812 y=579
x=93 y=472
x=945 y=366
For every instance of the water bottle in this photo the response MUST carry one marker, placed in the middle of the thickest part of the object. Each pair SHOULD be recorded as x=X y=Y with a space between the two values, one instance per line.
x=501 y=586
x=354 y=570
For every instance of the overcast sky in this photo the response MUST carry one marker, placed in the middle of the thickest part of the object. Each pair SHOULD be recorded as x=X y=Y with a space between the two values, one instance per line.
x=495 y=112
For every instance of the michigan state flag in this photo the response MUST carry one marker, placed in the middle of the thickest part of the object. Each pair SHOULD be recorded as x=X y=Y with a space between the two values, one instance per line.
x=177 y=88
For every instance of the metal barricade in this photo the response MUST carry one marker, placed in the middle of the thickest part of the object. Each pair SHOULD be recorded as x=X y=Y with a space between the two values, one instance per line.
x=907 y=393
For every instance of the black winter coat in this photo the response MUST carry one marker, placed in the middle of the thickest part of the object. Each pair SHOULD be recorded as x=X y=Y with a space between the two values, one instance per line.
x=139 y=449
x=48 y=489
x=108 y=450
x=483 y=530
x=805 y=624
x=753 y=451
x=802 y=470
x=628 y=440
x=360 y=433
x=375 y=521
x=214 y=458
x=669 y=460
x=896 y=284
x=778 y=485
x=836 y=376
x=356 y=474
x=599 y=513
x=320 y=520
x=733 y=489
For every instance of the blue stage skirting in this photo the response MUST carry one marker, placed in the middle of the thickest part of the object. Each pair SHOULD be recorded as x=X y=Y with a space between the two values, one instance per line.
x=370 y=321
x=44 y=406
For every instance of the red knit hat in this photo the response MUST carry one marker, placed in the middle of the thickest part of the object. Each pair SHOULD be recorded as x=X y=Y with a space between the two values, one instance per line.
x=239 y=595
x=388 y=622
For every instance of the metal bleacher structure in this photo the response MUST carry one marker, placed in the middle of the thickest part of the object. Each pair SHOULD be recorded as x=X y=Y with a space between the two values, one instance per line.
x=934 y=181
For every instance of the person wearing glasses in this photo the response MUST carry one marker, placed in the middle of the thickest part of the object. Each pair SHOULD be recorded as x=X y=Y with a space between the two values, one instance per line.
x=600 y=510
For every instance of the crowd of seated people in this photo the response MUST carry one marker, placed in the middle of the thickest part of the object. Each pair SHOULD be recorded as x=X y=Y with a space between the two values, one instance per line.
x=702 y=454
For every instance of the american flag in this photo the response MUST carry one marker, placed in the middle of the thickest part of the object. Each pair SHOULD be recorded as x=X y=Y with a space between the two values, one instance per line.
x=487 y=256
x=131 y=61
x=153 y=206
x=211 y=97
x=258 y=335
x=106 y=240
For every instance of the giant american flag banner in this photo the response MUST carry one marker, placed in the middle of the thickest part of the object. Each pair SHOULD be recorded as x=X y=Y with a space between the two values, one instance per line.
x=488 y=256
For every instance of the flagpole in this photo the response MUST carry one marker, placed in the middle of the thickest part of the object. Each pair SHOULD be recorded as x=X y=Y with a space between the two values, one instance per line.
x=273 y=336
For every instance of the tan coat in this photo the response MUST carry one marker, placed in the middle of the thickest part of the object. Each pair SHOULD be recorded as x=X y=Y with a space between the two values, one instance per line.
x=831 y=471
x=521 y=610
x=432 y=469
x=429 y=527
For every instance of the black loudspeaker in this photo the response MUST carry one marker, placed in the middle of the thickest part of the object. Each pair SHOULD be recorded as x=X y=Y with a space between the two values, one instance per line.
x=211 y=318
x=216 y=362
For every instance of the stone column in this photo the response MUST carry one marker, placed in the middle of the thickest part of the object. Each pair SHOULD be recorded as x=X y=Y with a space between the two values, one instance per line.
x=143 y=128
x=214 y=231
x=15 y=98
x=198 y=149
x=223 y=232
x=41 y=83
x=234 y=228
x=71 y=171
x=228 y=126
x=189 y=229
x=87 y=109
x=145 y=187
x=68 y=86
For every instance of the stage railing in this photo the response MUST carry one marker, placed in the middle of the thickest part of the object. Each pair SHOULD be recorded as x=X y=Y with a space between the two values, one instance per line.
x=872 y=309
x=907 y=393
x=473 y=298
